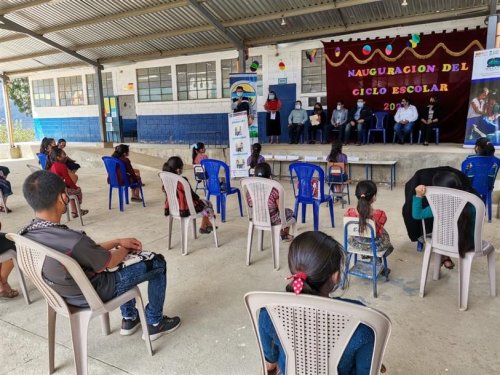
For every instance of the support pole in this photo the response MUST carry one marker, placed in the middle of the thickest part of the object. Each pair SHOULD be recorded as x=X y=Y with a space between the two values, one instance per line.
x=241 y=61
x=492 y=25
x=100 y=107
x=8 y=113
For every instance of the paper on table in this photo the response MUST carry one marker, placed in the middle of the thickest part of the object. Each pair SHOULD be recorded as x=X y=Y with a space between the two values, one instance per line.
x=352 y=158
x=314 y=120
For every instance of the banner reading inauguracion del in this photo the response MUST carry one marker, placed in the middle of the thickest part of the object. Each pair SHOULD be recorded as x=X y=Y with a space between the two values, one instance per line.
x=383 y=71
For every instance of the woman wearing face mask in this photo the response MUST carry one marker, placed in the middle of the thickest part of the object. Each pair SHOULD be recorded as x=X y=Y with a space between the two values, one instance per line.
x=296 y=121
x=340 y=118
x=321 y=119
x=273 y=124
x=359 y=117
x=430 y=119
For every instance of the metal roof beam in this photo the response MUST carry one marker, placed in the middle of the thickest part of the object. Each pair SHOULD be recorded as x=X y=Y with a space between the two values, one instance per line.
x=12 y=26
x=237 y=42
x=401 y=21
x=15 y=8
x=297 y=12
x=23 y=72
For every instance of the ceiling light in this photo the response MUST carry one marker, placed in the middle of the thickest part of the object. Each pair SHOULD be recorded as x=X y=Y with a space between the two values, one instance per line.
x=283 y=21
x=404 y=3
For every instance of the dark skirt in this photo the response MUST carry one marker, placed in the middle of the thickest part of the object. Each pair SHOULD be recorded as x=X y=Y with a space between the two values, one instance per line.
x=6 y=244
x=5 y=187
x=273 y=127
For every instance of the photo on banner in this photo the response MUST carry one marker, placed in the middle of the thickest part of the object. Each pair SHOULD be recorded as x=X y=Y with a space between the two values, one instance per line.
x=245 y=99
x=484 y=101
x=239 y=144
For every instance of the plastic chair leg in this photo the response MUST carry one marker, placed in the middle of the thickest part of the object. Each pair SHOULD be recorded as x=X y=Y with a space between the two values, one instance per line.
x=425 y=269
x=125 y=190
x=332 y=217
x=195 y=233
x=491 y=273
x=249 y=242
x=120 y=198
x=296 y=208
x=218 y=205
x=110 y=197
x=260 y=240
x=374 y=276
x=436 y=275
x=488 y=204
x=275 y=238
x=144 y=324
x=212 y=221
x=464 y=265
x=316 y=216
x=105 y=326
x=384 y=259
x=79 y=324
x=22 y=282
x=51 y=318
x=223 y=208
x=239 y=201
x=170 y=220
x=184 y=235
x=304 y=207
x=142 y=196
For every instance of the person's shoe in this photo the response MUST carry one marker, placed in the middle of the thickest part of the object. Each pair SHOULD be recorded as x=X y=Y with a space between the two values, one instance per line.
x=129 y=326
x=426 y=143
x=205 y=230
x=134 y=199
x=166 y=325
x=358 y=144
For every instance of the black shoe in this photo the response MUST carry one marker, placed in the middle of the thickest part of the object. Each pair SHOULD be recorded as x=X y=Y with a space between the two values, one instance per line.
x=129 y=326
x=166 y=325
x=205 y=230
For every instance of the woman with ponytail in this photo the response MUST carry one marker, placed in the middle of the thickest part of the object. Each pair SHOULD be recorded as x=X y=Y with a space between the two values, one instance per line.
x=198 y=152
x=256 y=157
x=316 y=262
x=366 y=192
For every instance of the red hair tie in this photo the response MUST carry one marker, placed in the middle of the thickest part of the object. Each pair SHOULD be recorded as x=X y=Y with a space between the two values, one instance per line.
x=298 y=281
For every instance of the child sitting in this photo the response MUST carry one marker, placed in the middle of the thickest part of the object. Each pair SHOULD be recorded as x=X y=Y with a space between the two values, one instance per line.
x=264 y=170
x=337 y=160
x=316 y=263
x=256 y=157
x=198 y=152
x=73 y=166
x=175 y=165
x=366 y=192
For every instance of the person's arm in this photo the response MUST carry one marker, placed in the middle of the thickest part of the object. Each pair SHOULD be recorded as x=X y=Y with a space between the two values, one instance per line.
x=332 y=119
x=345 y=117
x=64 y=174
x=397 y=116
x=413 y=114
x=475 y=107
x=304 y=116
x=290 y=116
x=417 y=211
x=130 y=170
x=437 y=114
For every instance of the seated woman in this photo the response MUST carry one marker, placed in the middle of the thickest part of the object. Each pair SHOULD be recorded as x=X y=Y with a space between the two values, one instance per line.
x=5 y=188
x=264 y=170
x=338 y=160
x=58 y=166
x=73 y=166
x=198 y=152
x=316 y=262
x=5 y=268
x=133 y=175
x=176 y=165
x=255 y=158
x=46 y=147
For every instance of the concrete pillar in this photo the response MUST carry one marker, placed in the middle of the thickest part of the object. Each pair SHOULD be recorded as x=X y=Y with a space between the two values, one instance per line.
x=100 y=108
x=8 y=114
x=241 y=61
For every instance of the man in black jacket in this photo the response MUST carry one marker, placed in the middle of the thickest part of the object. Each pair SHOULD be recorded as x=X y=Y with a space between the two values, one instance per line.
x=359 y=117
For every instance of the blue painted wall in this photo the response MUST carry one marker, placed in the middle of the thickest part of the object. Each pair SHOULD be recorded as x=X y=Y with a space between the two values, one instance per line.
x=75 y=129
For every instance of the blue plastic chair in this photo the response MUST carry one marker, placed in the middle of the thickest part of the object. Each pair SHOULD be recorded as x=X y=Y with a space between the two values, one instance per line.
x=482 y=171
x=369 y=269
x=305 y=173
x=380 y=120
x=220 y=189
x=112 y=165
x=436 y=133
x=42 y=159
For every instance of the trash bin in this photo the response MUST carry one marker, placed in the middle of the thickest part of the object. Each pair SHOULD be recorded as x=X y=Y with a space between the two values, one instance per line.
x=15 y=152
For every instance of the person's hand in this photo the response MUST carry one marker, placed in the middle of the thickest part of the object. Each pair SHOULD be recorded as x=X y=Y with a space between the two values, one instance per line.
x=132 y=244
x=336 y=125
x=360 y=121
x=353 y=123
x=289 y=125
x=420 y=190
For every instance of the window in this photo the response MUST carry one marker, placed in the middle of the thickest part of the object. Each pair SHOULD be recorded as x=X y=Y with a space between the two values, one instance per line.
x=70 y=90
x=107 y=86
x=155 y=84
x=196 y=81
x=44 y=94
x=313 y=73
x=231 y=66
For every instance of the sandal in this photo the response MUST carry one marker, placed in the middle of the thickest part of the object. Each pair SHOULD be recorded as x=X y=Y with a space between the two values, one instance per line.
x=447 y=263
x=286 y=237
x=82 y=212
x=134 y=199
x=205 y=230
x=2 y=209
x=12 y=293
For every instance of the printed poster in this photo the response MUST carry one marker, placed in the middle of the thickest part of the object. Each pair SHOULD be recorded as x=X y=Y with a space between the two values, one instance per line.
x=239 y=144
x=247 y=81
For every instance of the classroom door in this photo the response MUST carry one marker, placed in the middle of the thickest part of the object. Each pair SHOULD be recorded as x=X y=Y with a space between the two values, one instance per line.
x=287 y=94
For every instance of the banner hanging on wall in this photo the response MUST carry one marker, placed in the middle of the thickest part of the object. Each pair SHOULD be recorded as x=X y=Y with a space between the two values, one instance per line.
x=383 y=71
x=245 y=99
x=484 y=101
x=239 y=144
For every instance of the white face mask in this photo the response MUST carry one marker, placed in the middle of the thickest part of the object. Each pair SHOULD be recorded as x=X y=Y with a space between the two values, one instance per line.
x=297 y=106
x=271 y=96
x=339 y=107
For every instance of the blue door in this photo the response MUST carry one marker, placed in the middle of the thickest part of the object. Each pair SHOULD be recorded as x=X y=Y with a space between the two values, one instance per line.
x=287 y=95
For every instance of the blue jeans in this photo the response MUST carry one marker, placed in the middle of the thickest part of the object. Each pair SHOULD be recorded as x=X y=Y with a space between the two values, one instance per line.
x=153 y=271
x=402 y=131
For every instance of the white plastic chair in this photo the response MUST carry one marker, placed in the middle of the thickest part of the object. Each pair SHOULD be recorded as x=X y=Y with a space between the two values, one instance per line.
x=33 y=168
x=77 y=204
x=170 y=181
x=31 y=256
x=259 y=217
x=314 y=331
x=11 y=254
x=365 y=269
x=447 y=205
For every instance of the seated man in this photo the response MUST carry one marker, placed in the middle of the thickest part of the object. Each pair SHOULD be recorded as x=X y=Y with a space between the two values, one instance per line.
x=405 y=117
x=359 y=117
x=296 y=121
x=46 y=194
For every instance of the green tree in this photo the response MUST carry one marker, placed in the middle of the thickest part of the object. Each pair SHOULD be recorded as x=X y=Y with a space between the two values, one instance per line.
x=19 y=92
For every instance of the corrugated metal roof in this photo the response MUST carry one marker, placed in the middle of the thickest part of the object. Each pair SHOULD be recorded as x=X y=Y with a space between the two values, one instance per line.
x=129 y=28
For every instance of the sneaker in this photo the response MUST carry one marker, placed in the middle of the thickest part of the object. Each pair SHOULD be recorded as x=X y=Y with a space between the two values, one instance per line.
x=129 y=326
x=166 y=325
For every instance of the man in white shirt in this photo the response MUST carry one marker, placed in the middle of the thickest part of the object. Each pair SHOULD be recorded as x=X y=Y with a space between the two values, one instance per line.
x=405 y=118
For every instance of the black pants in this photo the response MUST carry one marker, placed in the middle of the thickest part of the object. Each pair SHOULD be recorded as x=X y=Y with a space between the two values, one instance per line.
x=294 y=133
x=313 y=131
x=6 y=244
x=427 y=131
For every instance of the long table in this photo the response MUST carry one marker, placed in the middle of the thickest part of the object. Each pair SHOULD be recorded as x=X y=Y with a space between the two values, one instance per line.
x=369 y=168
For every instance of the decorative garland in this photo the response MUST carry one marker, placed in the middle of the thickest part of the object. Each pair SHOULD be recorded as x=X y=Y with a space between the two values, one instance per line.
x=416 y=54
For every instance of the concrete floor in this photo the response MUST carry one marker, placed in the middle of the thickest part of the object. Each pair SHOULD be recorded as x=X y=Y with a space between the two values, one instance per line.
x=206 y=288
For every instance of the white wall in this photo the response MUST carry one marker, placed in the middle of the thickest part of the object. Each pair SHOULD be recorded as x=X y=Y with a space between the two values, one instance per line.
x=289 y=53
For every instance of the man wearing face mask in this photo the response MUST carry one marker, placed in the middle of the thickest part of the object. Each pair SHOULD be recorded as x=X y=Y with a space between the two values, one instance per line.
x=340 y=118
x=241 y=102
x=405 y=117
x=296 y=121
x=359 y=117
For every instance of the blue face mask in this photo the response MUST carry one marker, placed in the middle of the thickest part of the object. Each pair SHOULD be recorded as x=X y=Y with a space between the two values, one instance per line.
x=360 y=104
x=239 y=93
